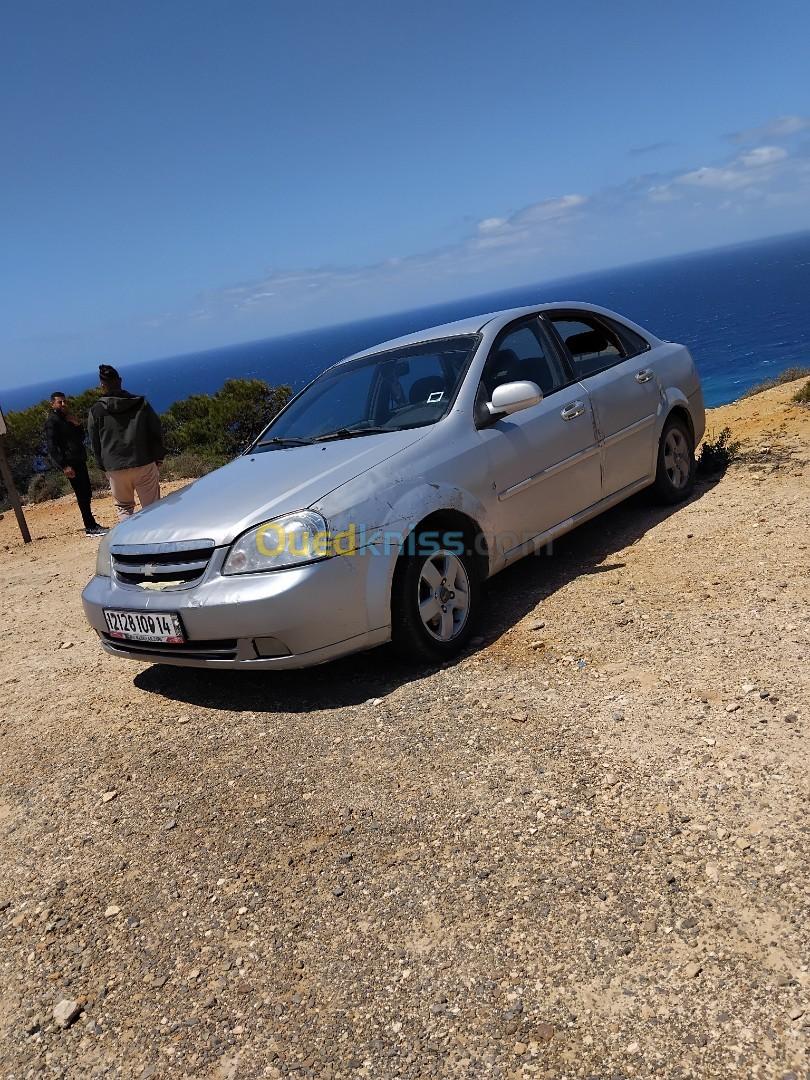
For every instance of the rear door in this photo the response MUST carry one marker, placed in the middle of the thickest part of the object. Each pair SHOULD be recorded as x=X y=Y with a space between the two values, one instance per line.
x=612 y=364
x=543 y=461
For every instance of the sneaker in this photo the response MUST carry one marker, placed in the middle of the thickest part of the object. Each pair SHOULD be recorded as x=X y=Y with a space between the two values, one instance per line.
x=96 y=530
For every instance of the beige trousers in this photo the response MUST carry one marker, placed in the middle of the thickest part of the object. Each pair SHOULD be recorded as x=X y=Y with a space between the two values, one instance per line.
x=124 y=483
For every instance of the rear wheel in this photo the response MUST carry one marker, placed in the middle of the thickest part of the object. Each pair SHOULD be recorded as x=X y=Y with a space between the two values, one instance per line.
x=675 y=474
x=434 y=603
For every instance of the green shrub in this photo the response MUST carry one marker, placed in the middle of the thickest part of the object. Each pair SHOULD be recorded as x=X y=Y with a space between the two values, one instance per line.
x=188 y=466
x=98 y=478
x=802 y=395
x=26 y=436
x=219 y=426
x=48 y=485
x=25 y=441
x=201 y=433
x=716 y=454
x=788 y=375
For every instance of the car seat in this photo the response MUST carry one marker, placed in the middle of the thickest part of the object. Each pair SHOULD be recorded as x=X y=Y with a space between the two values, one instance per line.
x=423 y=388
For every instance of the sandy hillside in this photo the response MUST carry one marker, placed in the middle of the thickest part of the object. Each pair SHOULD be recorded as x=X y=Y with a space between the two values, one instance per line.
x=583 y=850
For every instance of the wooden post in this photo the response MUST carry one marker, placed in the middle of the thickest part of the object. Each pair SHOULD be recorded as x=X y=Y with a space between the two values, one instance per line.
x=8 y=480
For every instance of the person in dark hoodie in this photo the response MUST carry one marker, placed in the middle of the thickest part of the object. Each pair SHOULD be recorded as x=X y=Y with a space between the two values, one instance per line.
x=127 y=441
x=65 y=438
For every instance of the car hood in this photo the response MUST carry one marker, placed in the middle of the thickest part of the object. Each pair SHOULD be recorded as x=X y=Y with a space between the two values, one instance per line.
x=257 y=487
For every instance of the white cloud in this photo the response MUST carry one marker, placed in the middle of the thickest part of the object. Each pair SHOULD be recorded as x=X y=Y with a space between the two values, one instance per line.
x=523 y=233
x=490 y=223
x=749 y=170
x=544 y=233
x=661 y=193
x=534 y=213
x=526 y=226
x=549 y=209
x=722 y=179
x=763 y=155
x=781 y=127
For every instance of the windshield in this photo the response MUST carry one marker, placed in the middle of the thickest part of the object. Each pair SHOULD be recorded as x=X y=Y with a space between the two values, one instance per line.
x=389 y=391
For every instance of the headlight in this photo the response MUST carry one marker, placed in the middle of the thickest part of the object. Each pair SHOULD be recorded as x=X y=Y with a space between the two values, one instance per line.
x=286 y=541
x=103 y=560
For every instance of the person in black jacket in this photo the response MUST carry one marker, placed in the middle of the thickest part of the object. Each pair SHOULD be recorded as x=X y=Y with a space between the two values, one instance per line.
x=127 y=441
x=65 y=438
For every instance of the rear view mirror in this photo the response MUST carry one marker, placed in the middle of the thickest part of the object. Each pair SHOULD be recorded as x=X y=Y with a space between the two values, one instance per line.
x=513 y=397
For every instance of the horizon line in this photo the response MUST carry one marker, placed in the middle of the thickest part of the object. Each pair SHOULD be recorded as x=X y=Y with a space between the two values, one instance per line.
x=403 y=312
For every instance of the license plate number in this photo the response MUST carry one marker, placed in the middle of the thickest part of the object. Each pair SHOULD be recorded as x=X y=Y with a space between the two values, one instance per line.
x=158 y=626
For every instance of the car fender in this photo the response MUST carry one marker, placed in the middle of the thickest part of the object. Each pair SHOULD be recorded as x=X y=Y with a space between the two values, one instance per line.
x=671 y=398
x=376 y=529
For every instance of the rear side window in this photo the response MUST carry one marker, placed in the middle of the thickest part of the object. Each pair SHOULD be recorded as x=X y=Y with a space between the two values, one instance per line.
x=633 y=343
x=593 y=345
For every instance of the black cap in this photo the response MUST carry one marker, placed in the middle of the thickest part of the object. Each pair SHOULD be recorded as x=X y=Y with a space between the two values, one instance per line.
x=108 y=374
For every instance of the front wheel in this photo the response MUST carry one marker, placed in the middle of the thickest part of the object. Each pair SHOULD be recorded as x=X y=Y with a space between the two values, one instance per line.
x=675 y=474
x=434 y=604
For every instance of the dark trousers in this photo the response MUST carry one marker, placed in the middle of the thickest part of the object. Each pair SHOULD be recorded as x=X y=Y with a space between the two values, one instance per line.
x=84 y=492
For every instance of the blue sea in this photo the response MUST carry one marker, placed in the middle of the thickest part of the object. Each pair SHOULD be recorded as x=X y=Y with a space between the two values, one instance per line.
x=743 y=311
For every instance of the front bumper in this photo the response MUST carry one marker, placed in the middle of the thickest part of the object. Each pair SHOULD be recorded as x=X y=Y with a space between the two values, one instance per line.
x=290 y=618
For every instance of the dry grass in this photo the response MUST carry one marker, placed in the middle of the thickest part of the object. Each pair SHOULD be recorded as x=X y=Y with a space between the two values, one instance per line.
x=788 y=375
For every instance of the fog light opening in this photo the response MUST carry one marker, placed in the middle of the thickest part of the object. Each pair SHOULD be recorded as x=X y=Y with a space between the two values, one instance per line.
x=268 y=647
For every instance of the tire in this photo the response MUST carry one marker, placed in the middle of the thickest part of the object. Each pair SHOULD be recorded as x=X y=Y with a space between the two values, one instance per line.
x=675 y=473
x=435 y=602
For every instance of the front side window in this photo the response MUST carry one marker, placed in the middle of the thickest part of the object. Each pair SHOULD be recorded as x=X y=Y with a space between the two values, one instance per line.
x=389 y=391
x=593 y=346
x=521 y=354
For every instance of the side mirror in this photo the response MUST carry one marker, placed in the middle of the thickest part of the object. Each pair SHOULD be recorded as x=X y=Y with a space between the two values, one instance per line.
x=513 y=397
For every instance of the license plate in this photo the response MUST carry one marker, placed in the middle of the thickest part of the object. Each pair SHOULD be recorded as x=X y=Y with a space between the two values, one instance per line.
x=158 y=626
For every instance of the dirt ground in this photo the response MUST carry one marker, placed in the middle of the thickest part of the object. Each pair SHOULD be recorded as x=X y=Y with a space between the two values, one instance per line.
x=582 y=850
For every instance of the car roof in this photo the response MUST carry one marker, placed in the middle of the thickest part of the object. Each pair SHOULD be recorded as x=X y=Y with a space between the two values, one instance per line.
x=476 y=323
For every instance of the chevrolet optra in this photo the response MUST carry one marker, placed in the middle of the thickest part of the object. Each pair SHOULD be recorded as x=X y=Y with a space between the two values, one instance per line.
x=380 y=498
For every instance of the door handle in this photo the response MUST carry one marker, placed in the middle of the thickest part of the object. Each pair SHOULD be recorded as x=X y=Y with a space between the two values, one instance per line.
x=572 y=410
x=644 y=375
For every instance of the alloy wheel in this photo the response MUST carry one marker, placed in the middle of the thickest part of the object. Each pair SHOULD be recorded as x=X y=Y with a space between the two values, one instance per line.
x=676 y=458
x=444 y=596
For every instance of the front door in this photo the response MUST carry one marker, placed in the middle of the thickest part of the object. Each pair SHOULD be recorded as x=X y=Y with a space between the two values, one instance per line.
x=543 y=461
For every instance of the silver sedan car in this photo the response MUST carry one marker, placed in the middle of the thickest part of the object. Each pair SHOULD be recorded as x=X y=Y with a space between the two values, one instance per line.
x=375 y=504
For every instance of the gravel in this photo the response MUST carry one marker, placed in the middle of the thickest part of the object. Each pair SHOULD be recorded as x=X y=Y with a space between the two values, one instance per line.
x=516 y=865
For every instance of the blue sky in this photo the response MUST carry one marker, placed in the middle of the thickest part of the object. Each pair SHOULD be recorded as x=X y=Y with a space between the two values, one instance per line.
x=179 y=175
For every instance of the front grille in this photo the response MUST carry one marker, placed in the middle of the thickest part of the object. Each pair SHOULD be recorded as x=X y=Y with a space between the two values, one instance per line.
x=223 y=649
x=177 y=565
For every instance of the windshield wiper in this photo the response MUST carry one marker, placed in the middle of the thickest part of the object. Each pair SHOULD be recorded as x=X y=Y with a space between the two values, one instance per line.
x=352 y=432
x=282 y=441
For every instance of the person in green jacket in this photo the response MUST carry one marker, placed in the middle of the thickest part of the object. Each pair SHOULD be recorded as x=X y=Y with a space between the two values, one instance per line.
x=127 y=440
